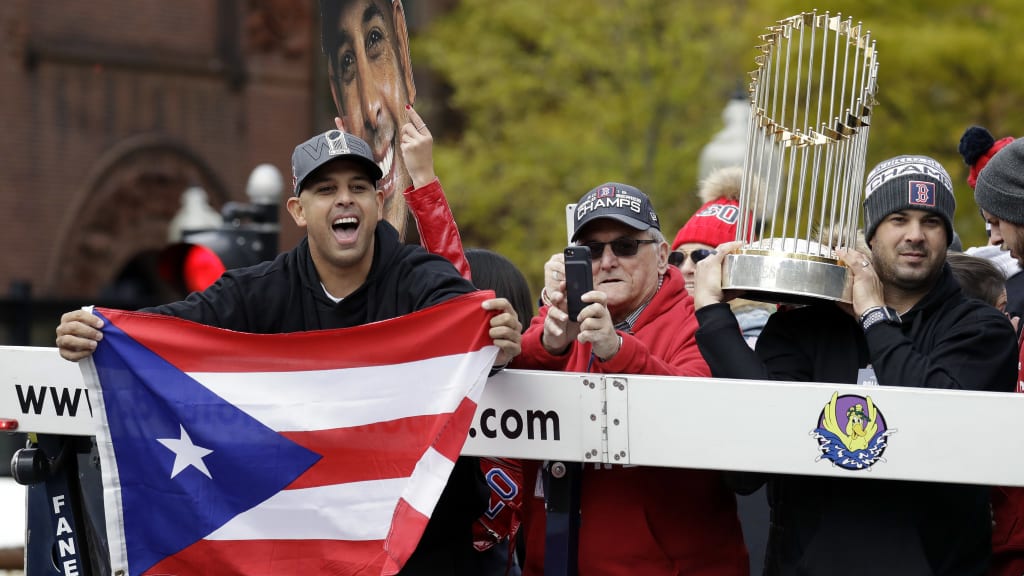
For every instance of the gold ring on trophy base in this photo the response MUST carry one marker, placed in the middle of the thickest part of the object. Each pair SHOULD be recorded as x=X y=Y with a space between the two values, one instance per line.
x=789 y=278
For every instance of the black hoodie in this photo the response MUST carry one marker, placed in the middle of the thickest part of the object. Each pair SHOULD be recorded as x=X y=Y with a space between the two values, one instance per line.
x=285 y=295
x=837 y=526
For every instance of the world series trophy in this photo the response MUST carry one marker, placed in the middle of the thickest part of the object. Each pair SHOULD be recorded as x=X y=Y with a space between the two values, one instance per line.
x=811 y=98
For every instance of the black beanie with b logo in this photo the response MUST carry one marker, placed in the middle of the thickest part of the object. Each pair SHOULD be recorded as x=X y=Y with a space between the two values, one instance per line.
x=908 y=183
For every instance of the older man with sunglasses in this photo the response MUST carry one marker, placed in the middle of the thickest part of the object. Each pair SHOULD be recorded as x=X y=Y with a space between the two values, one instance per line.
x=639 y=319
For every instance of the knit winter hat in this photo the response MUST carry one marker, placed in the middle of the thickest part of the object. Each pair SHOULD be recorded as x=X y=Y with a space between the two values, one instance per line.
x=978 y=146
x=905 y=183
x=715 y=222
x=1000 y=188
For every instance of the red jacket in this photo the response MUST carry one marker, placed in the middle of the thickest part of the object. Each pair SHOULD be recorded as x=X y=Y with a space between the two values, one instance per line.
x=1008 y=517
x=642 y=520
x=434 y=220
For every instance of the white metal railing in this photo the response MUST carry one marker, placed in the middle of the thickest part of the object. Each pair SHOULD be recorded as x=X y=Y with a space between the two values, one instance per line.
x=758 y=426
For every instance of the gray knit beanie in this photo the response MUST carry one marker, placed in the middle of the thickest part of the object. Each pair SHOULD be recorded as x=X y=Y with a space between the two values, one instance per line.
x=1000 y=187
x=904 y=183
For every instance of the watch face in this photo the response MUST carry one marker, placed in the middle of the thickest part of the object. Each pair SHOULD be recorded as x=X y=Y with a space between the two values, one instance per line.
x=891 y=315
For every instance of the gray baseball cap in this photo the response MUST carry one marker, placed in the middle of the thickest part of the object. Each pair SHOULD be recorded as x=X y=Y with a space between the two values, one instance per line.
x=331 y=145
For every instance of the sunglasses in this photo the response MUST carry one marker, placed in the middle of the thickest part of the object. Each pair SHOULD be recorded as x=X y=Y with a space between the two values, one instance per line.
x=677 y=258
x=620 y=247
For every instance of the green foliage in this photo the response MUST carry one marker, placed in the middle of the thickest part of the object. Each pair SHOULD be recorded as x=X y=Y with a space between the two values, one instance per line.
x=562 y=96
x=559 y=97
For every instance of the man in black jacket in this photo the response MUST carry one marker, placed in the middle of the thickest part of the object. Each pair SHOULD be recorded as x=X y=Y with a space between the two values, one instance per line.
x=351 y=269
x=911 y=325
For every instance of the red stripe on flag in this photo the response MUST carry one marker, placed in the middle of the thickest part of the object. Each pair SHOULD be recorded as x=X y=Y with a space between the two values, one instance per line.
x=406 y=528
x=274 y=558
x=452 y=327
x=453 y=436
x=372 y=452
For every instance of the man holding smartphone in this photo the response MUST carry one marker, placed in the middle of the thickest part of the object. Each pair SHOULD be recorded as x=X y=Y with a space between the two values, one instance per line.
x=638 y=319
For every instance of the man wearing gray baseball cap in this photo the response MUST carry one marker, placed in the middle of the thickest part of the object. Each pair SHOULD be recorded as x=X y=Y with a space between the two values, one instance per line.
x=350 y=269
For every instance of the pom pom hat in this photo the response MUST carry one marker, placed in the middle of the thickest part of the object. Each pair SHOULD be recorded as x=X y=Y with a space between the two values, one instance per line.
x=715 y=222
x=977 y=147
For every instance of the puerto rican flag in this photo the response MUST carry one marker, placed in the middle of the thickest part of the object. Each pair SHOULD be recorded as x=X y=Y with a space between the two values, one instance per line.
x=307 y=453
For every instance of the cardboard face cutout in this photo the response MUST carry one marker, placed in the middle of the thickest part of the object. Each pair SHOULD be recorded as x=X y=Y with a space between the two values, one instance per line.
x=369 y=71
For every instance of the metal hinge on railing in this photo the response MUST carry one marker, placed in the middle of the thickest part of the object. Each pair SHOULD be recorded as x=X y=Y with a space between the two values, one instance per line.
x=617 y=414
x=605 y=411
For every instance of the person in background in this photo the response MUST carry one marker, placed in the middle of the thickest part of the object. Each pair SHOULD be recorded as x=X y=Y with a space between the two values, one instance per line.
x=979 y=278
x=638 y=319
x=495 y=533
x=1000 y=192
x=713 y=224
x=492 y=271
x=977 y=147
x=911 y=326
x=982 y=280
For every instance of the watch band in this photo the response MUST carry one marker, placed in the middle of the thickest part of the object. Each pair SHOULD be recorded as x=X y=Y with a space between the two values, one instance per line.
x=878 y=315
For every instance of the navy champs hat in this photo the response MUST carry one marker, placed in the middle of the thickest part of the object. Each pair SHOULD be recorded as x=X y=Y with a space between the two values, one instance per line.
x=331 y=145
x=615 y=201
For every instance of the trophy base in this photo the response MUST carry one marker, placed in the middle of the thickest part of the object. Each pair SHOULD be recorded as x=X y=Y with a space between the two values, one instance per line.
x=782 y=277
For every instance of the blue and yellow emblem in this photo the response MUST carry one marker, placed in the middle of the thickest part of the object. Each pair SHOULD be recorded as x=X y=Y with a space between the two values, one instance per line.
x=851 y=432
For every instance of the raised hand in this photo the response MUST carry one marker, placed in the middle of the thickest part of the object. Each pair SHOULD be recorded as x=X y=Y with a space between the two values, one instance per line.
x=417 y=146
x=559 y=332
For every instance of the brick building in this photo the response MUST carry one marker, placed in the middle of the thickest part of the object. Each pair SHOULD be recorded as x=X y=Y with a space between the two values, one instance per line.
x=111 y=108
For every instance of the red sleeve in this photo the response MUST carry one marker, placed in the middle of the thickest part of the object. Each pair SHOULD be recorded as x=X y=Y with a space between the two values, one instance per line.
x=1020 y=369
x=682 y=358
x=533 y=355
x=438 y=232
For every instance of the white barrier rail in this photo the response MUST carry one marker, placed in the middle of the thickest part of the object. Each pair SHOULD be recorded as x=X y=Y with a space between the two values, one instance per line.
x=757 y=426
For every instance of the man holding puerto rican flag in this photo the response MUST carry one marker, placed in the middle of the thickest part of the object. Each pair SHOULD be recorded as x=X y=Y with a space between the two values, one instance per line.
x=186 y=383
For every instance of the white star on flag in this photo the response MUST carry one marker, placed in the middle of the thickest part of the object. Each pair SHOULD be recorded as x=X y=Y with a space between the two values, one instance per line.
x=186 y=453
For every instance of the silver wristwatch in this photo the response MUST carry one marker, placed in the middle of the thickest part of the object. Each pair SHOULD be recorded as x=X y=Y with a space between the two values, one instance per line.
x=878 y=314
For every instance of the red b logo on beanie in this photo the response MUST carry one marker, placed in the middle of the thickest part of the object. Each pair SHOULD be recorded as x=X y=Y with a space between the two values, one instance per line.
x=922 y=193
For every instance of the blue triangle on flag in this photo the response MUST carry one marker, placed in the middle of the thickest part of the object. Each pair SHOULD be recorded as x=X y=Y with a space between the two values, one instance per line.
x=147 y=399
